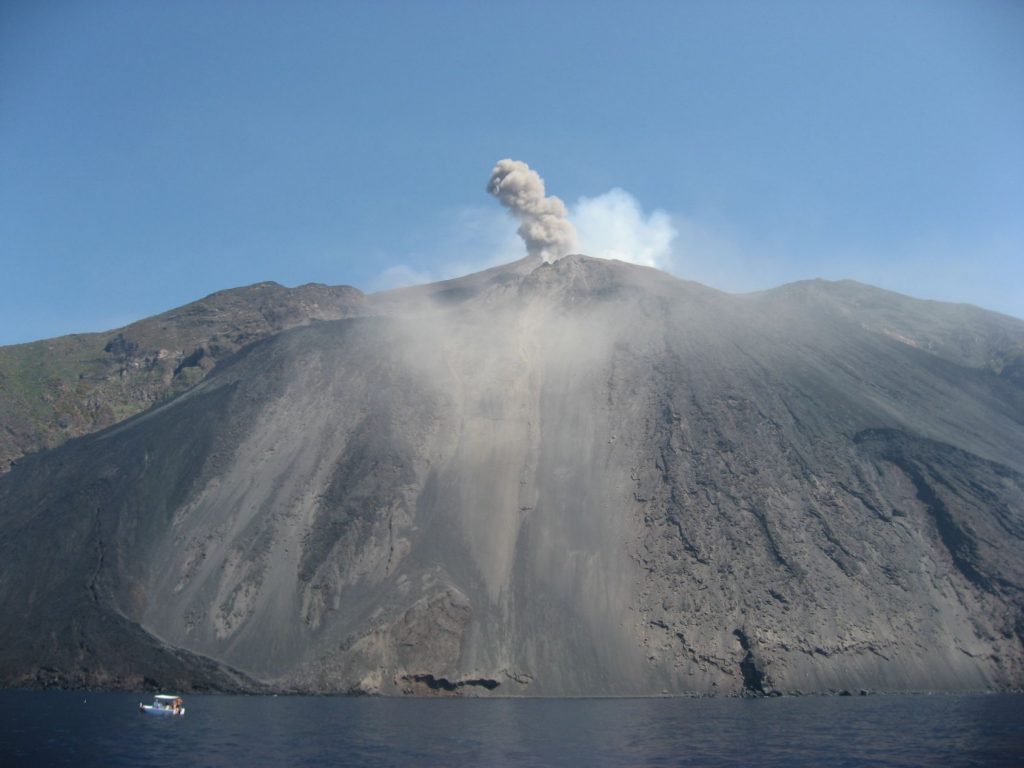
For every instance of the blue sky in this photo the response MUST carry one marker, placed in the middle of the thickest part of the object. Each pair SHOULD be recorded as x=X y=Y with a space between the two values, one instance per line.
x=154 y=152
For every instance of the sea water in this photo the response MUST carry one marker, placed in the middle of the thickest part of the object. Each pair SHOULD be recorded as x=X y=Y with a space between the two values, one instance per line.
x=85 y=729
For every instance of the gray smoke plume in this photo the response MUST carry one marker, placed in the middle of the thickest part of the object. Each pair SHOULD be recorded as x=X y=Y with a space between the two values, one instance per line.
x=543 y=223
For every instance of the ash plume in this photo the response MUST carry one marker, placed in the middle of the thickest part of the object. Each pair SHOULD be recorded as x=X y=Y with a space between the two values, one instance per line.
x=543 y=222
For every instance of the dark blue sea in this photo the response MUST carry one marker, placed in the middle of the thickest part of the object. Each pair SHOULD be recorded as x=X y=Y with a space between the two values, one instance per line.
x=106 y=729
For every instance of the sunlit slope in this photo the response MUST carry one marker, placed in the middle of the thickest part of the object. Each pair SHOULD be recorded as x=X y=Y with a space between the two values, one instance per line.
x=57 y=389
x=577 y=478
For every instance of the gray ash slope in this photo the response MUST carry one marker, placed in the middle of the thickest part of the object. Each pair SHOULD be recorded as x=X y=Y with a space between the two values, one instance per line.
x=582 y=478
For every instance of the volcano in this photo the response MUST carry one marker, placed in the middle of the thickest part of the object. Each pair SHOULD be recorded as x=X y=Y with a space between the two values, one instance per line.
x=576 y=478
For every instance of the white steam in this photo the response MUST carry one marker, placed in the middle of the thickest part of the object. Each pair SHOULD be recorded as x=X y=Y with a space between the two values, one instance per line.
x=613 y=226
x=543 y=221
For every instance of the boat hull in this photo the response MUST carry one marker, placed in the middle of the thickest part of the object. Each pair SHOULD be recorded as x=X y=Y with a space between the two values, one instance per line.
x=149 y=709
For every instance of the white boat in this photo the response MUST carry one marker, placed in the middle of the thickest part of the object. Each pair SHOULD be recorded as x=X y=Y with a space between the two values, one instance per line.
x=164 y=704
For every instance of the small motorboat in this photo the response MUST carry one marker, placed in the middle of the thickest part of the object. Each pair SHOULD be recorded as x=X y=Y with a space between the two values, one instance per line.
x=163 y=704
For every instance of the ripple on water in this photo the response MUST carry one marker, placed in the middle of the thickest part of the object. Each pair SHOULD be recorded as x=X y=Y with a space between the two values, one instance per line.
x=59 y=728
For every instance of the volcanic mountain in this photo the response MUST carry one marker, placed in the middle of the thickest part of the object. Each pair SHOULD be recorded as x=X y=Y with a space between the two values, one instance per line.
x=576 y=478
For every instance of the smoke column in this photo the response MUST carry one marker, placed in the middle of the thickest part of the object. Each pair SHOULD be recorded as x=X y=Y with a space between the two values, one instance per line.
x=542 y=220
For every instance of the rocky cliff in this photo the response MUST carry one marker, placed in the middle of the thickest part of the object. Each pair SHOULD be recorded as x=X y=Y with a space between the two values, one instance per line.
x=579 y=478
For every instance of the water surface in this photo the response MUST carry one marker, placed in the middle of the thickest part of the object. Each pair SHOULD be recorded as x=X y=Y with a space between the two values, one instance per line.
x=84 y=729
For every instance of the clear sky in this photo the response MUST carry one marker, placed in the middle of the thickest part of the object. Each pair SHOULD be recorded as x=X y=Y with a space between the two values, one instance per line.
x=154 y=152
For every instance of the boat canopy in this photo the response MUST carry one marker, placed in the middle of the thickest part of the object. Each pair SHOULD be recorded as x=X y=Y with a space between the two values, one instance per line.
x=166 y=697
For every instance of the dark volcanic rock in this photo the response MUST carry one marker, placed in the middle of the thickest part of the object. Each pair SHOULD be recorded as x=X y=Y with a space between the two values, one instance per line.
x=577 y=478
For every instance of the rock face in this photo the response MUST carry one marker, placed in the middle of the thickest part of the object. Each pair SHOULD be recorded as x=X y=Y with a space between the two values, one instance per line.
x=574 y=478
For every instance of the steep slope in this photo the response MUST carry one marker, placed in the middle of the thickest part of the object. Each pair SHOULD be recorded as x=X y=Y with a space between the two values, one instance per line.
x=962 y=333
x=56 y=389
x=577 y=478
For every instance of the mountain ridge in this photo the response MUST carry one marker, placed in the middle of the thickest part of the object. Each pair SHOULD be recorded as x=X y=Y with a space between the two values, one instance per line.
x=55 y=389
x=581 y=478
x=67 y=386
